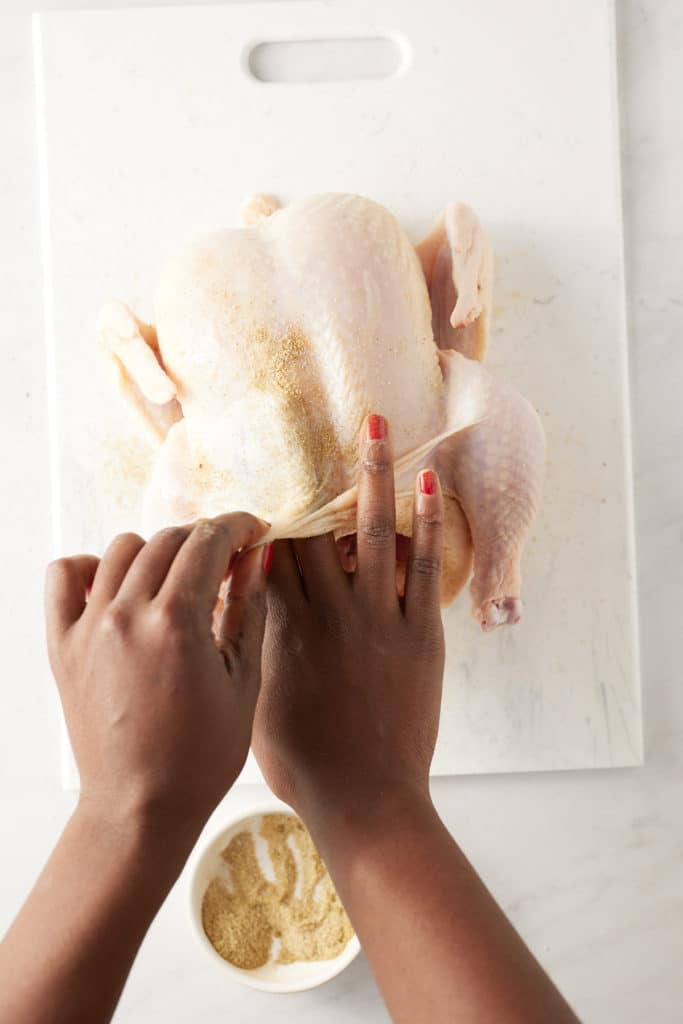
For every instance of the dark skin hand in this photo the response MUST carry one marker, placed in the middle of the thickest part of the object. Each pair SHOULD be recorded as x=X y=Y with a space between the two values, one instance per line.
x=345 y=730
x=323 y=725
x=160 y=715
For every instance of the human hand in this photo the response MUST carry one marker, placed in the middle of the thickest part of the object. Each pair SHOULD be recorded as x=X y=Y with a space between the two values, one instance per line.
x=345 y=728
x=159 y=711
x=349 y=707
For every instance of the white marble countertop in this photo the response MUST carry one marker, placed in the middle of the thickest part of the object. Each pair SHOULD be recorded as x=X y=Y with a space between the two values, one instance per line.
x=588 y=865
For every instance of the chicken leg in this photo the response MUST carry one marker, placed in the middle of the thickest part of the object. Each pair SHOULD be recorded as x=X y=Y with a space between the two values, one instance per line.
x=495 y=470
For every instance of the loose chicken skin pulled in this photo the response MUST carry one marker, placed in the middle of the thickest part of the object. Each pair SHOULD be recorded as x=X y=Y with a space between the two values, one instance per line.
x=274 y=341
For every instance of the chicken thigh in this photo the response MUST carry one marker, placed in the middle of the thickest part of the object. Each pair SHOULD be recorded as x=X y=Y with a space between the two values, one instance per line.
x=273 y=342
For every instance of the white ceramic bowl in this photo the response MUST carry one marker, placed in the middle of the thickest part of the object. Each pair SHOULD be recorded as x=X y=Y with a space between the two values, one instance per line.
x=272 y=977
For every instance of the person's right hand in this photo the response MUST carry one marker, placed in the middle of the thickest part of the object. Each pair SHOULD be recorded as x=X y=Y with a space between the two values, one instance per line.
x=349 y=706
x=344 y=732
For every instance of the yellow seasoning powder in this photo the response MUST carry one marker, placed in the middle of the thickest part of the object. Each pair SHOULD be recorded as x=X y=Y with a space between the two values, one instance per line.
x=300 y=908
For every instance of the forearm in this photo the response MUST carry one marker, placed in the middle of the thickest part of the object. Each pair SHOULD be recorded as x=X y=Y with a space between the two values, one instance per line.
x=67 y=955
x=440 y=947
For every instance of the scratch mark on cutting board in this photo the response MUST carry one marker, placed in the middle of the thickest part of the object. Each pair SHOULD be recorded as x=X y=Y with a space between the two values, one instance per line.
x=605 y=708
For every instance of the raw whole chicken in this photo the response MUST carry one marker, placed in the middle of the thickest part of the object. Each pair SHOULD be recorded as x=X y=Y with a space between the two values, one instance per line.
x=273 y=342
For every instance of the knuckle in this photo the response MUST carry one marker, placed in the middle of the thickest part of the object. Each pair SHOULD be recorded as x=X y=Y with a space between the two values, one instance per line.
x=428 y=521
x=172 y=533
x=124 y=539
x=175 y=610
x=291 y=646
x=375 y=460
x=207 y=529
x=122 y=547
x=425 y=567
x=257 y=602
x=242 y=520
x=59 y=568
x=376 y=527
x=294 y=647
x=117 y=621
x=254 y=601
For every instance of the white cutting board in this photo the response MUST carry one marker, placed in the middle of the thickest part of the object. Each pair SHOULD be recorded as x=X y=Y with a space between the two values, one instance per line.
x=152 y=130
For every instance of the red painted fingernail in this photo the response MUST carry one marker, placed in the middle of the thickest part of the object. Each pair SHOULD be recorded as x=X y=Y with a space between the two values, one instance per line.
x=377 y=427
x=267 y=558
x=427 y=481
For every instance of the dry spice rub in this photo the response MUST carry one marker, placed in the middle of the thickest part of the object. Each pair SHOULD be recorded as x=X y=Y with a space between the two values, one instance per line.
x=300 y=908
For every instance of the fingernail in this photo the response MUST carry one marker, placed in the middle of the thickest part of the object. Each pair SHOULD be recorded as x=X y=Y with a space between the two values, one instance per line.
x=267 y=558
x=427 y=480
x=376 y=427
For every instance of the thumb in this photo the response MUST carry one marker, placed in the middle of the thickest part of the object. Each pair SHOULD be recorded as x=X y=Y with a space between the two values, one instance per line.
x=240 y=635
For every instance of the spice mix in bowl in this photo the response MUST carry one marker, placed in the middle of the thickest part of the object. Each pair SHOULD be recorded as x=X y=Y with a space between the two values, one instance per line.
x=265 y=907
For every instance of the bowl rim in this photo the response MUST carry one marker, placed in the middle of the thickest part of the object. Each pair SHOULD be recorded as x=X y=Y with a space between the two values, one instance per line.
x=334 y=967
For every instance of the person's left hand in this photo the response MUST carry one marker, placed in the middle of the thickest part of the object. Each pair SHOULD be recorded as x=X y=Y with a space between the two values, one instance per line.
x=159 y=710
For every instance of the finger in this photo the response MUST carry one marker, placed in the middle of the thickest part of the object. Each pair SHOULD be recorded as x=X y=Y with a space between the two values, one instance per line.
x=202 y=562
x=150 y=568
x=285 y=583
x=240 y=636
x=67 y=583
x=115 y=563
x=376 y=542
x=423 y=581
x=320 y=566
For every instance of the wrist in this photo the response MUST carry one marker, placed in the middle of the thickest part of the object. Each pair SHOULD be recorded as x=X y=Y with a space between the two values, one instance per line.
x=362 y=821
x=148 y=835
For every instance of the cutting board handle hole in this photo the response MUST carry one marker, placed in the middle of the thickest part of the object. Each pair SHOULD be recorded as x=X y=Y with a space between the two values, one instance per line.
x=327 y=60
